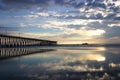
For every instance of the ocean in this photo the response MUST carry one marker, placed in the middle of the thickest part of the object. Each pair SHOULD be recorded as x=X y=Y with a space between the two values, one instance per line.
x=60 y=63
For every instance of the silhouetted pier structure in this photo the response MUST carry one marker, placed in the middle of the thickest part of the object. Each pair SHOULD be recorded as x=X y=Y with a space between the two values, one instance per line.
x=17 y=41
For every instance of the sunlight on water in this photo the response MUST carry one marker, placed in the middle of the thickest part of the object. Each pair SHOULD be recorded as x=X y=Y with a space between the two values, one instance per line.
x=101 y=58
x=101 y=48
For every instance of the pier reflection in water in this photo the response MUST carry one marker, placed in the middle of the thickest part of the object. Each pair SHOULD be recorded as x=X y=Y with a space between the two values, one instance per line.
x=61 y=63
x=14 y=52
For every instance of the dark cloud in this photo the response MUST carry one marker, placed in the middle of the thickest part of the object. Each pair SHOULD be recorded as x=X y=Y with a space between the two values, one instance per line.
x=26 y=4
x=98 y=25
x=114 y=8
x=114 y=0
x=59 y=2
x=1 y=7
x=99 y=15
x=92 y=16
x=90 y=4
x=112 y=32
x=80 y=3
x=70 y=35
x=16 y=4
x=87 y=4
x=72 y=3
x=117 y=18
x=21 y=4
x=75 y=26
x=95 y=3
x=110 y=16
x=25 y=1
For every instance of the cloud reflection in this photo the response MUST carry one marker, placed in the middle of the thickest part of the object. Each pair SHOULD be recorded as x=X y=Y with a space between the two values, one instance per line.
x=71 y=60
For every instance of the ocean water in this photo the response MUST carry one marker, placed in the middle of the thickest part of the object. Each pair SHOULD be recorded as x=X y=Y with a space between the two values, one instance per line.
x=60 y=63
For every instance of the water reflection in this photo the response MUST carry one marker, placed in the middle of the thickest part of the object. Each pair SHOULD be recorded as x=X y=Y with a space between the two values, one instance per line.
x=14 y=52
x=67 y=63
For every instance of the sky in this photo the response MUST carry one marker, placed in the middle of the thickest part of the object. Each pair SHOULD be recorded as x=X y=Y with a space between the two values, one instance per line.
x=65 y=21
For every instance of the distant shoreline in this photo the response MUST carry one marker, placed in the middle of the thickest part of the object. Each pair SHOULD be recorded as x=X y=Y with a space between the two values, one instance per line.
x=90 y=45
x=69 y=45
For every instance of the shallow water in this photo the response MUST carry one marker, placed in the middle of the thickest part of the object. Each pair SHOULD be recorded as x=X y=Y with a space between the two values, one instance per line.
x=60 y=63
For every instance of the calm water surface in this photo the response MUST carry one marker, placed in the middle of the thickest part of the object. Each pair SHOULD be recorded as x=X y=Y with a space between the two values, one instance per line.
x=60 y=63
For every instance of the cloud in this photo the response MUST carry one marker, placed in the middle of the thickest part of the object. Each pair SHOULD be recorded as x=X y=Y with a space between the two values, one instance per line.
x=63 y=20
x=114 y=25
x=22 y=25
x=71 y=22
x=117 y=18
x=38 y=35
x=95 y=3
x=88 y=9
x=85 y=33
x=43 y=14
x=106 y=40
x=22 y=4
x=112 y=32
x=74 y=30
x=73 y=3
x=28 y=2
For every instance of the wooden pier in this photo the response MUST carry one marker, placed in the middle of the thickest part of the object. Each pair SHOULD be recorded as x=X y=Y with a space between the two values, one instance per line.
x=17 y=41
